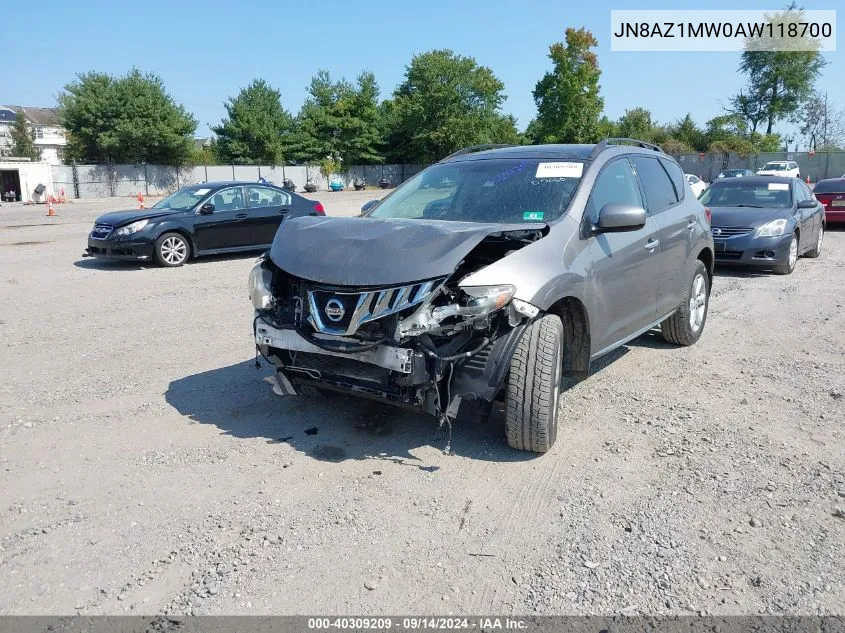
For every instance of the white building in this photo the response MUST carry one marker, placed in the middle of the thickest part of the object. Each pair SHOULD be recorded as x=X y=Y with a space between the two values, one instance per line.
x=49 y=134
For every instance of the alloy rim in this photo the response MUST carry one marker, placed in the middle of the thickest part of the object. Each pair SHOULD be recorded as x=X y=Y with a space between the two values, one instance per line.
x=819 y=241
x=793 y=252
x=697 y=303
x=174 y=250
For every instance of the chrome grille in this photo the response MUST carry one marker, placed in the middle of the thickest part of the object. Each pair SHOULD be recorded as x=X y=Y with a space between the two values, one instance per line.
x=729 y=231
x=101 y=231
x=361 y=307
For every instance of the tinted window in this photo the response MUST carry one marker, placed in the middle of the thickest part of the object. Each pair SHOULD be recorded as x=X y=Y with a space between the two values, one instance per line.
x=616 y=183
x=659 y=190
x=266 y=197
x=801 y=192
x=834 y=185
x=676 y=175
x=228 y=199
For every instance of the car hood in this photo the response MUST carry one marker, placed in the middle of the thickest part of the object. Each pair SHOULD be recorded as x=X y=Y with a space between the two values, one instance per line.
x=377 y=251
x=746 y=216
x=117 y=218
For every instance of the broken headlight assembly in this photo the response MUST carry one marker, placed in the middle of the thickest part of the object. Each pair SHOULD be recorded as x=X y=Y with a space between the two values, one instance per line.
x=471 y=305
x=260 y=290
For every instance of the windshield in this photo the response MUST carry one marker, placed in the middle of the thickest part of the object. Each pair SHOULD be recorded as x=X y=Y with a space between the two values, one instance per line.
x=185 y=198
x=774 y=167
x=742 y=193
x=505 y=190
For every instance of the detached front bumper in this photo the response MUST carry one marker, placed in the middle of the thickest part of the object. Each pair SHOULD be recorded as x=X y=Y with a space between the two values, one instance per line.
x=750 y=250
x=126 y=250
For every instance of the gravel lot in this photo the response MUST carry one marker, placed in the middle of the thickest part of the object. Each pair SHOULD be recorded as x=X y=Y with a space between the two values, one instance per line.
x=146 y=467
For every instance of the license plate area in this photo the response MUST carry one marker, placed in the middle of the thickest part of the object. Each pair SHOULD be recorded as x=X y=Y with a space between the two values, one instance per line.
x=838 y=203
x=720 y=246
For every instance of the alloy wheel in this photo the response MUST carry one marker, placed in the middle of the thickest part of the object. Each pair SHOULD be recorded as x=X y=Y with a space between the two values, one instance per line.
x=793 y=252
x=697 y=303
x=174 y=250
x=820 y=240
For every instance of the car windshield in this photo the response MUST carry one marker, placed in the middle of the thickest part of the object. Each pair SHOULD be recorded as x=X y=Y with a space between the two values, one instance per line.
x=833 y=185
x=775 y=167
x=510 y=190
x=742 y=193
x=185 y=198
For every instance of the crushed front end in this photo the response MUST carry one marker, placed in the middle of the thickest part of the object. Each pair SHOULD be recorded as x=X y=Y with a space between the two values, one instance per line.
x=431 y=345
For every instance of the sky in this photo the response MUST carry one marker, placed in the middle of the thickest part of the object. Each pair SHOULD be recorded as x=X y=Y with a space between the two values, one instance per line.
x=205 y=52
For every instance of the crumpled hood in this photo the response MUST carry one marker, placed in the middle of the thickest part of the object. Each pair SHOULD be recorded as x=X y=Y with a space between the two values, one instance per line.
x=116 y=218
x=746 y=216
x=377 y=251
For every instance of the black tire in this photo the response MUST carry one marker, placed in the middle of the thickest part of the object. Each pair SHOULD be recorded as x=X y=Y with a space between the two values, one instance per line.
x=681 y=328
x=786 y=268
x=172 y=250
x=817 y=249
x=533 y=388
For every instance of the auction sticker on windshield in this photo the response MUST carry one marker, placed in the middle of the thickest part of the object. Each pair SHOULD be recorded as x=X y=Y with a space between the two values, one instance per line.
x=559 y=170
x=778 y=186
x=201 y=192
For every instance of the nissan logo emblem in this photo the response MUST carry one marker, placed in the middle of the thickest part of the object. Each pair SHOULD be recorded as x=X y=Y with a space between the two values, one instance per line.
x=334 y=310
x=716 y=231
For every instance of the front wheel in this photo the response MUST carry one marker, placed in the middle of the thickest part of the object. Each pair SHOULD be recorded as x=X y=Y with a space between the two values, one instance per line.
x=172 y=249
x=788 y=266
x=533 y=388
x=685 y=326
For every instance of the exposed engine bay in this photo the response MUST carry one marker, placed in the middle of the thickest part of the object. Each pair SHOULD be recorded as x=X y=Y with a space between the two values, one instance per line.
x=432 y=345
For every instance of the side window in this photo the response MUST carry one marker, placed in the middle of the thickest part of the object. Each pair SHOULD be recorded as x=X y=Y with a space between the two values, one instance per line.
x=228 y=199
x=659 y=190
x=616 y=183
x=677 y=177
x=800 y=193
x=266 y=197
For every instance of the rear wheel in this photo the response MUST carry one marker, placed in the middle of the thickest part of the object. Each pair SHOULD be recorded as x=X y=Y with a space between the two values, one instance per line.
x=533 y=388
x=788 y=265
x=685 y=326
x=817 y=249
x=172 y=249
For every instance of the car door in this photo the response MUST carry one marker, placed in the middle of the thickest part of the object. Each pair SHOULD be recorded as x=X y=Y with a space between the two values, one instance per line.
x=676 y=224
x=813 y=216
x=268 y=207
x=224 y=226
x=625 y=269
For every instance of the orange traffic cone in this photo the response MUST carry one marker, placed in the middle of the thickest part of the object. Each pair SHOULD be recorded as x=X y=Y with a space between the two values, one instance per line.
x=51 y=213
x=140 y=200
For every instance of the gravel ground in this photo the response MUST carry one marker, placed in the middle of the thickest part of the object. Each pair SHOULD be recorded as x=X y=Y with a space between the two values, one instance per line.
x=146 y=467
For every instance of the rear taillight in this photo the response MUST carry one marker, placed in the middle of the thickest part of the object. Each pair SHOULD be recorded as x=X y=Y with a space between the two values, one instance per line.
x=708 y=214
x=825 y=199
x=318 y=209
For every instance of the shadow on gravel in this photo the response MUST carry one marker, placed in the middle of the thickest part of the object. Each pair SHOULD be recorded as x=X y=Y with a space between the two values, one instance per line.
x=92 y=263
x=740 y=272
x=328 y=427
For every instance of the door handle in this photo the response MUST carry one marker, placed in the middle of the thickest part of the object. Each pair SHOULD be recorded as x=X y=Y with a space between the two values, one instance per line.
x=652 y=244
x=284 y=211
x=241 y=216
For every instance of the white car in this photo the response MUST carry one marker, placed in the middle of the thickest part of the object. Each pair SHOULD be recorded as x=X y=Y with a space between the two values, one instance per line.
x=696 y=184
x=785 y=168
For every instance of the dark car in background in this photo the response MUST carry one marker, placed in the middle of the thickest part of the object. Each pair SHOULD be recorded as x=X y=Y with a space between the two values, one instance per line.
x=734 y=173
x=764 y=221
x=831 y=193
x=205 y=219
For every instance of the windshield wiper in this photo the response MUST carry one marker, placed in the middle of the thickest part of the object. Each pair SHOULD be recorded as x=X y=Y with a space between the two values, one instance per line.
x=755 y=206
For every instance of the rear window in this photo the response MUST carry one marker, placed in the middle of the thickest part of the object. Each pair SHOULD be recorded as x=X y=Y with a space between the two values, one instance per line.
x=834 y=185
x=742 y=193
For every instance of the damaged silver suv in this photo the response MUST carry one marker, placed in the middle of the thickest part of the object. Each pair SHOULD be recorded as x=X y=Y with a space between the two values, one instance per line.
x=500 y=272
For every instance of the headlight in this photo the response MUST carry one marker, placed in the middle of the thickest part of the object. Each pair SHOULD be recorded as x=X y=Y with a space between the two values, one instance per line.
x=129 y=229
x=260 y=279
x=775 y=228
x=485 y=299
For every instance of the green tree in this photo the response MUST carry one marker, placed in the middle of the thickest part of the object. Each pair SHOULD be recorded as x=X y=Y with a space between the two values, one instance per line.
x=23 y=139
x=445 y=102
x=255 y=126
x=126 y=119
x=637 y=123
x=779 y=81
x=687 y=132
x=567 y=98
x=606 y=128
x=339 y=119
x=821 y=125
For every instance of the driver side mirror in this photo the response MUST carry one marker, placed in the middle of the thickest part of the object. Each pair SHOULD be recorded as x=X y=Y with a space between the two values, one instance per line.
x=207 y=209
x=621 y=217
x=369 y=205
x=807 y=204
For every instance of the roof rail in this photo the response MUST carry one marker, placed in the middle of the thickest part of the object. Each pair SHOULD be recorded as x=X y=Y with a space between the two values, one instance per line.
x=608 y=142
x=476 y=148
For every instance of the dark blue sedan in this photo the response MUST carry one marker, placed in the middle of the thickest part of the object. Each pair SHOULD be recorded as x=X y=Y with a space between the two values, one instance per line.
x=764 y=221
